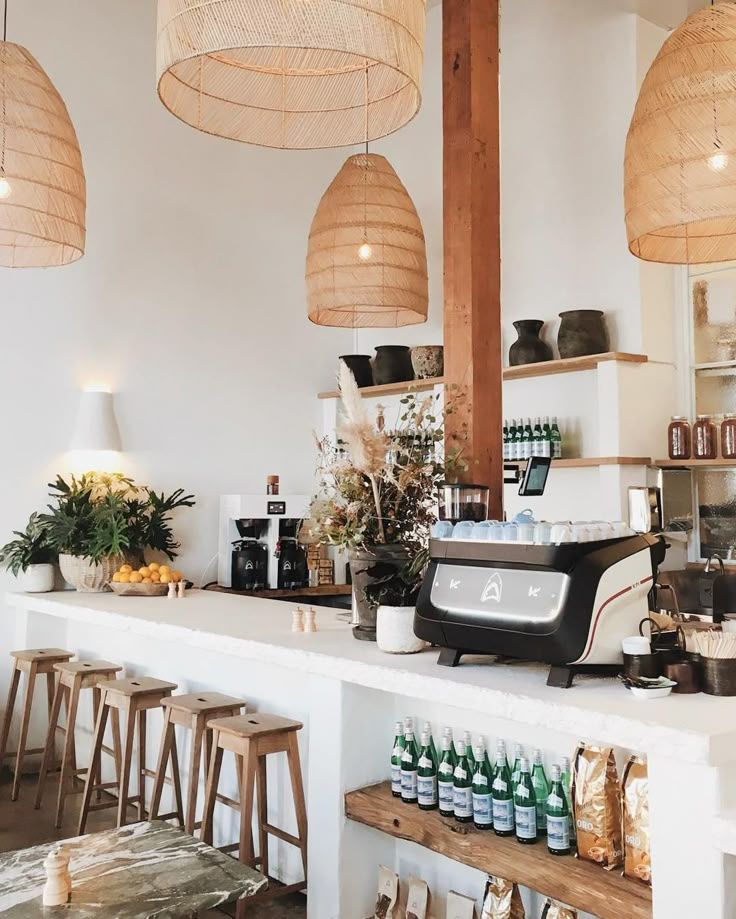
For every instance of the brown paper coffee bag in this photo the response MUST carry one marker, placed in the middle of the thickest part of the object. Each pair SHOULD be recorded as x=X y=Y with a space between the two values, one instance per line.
x=418 y=900
x=597 y=806
x=554 y=910
x=388 y=893
x=501 y=900
x=635 y=796
x=460 y=907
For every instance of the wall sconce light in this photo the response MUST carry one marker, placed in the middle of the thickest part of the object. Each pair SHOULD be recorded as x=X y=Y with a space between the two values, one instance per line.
x=96 y=426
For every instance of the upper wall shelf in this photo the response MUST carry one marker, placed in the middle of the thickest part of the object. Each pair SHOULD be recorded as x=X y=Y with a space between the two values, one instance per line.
x=391 y=389
x=695 y=464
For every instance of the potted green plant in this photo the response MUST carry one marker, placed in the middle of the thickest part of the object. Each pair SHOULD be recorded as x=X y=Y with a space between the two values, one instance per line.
x=30 y=557
x=395 y=598
x=98 y=521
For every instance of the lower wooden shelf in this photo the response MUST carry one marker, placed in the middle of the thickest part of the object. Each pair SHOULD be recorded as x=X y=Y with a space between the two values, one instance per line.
x=584 y=461
x=324 y=590
x=580 y=884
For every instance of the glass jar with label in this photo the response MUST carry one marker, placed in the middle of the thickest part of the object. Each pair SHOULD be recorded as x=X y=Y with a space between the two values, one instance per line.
x=728 y=437
x=678 y=438
x=705 y=438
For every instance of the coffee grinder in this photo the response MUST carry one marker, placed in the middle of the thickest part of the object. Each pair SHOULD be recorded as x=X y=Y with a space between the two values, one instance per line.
x=249 y=557
x=293 y=571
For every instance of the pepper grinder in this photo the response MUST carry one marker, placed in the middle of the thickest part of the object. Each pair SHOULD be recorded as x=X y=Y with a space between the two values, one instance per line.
x=58 y=888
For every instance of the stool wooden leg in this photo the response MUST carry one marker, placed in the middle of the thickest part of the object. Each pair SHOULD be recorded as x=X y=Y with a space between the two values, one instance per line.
x=9 y=706
x=176 y=777
x=117 y=746
x=50 y=742
x=297 y=790
x=124 y=787
x=93 y=765
x=167 y=736
x=262 y=815
x=51 y=681
x=195 y=762
x=96 y=699
x=142 y=714
x=25 y=721
x=67 y=766
x=213 y=780
x=250 y=764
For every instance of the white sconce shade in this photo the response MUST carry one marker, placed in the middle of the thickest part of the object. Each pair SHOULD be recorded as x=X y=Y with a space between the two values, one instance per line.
x=96 y=427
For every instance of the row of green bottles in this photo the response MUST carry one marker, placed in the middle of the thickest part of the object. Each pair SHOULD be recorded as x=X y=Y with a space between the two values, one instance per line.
x=522 y=439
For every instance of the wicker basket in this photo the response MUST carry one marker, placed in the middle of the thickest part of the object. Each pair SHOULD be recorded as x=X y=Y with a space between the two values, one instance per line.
x=88 y=576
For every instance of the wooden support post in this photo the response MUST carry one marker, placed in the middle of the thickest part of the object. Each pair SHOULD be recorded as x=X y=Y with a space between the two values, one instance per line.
x=472 y=246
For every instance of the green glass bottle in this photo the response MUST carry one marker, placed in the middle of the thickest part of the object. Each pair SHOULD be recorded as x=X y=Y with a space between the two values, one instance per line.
x=558 y=817
x=547 y=434
x=426 y=776
x=396 y=754
x=446 y=779
x=525 y=806
x=555 y=440
x=527 y=439
x=501 y=748
x=514 y=440
x=537 y=438
x=516 y=770
x=541 y=791
x=453 y=752
x=503 y=798
x=505 y=439
x=567 y=788
x=468 y=741
x=482 y=798
x=463 y=787
x=409 y=766
x=427 y=729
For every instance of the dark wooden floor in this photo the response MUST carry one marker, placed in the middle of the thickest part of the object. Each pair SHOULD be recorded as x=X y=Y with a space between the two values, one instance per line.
x=22 y=826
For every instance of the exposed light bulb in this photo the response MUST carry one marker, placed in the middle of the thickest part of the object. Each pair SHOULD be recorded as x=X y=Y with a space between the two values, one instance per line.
x=718 y=162
x=365 y=252
x=5 y=188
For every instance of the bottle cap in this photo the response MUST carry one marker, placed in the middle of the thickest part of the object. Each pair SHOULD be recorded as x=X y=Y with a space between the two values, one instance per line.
x=425 y=739
x=518 y=751
x=555 y=773
x=524 y=764
x=466 y=737
x=445 y=743
x=399 y=727
x=479 y=753
x=501 y=745
x=409 y=723
x=537 y=757
x=460 y=748
x=427 y=727
x=565 y=762
x=272 y=479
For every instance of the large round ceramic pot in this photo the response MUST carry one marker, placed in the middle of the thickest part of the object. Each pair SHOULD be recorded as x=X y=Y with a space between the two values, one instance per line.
x=360 y=367
x=88 y=576
x=392 y=364
x=529 y=347
x=395 y=630
x=582 y=332
x=428 y=361
x=369 y=566
x=37 y=579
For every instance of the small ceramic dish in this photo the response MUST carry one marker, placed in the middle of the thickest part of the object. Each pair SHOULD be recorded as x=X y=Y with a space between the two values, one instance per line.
x=658 y=690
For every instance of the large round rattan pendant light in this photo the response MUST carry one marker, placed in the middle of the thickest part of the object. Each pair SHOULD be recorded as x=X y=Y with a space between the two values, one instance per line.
x=295 y=74
x=367 y=260
x=42 y=187
x=680 y=169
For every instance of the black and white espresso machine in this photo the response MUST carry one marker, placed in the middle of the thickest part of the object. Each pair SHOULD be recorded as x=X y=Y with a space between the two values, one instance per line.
x=567 y=605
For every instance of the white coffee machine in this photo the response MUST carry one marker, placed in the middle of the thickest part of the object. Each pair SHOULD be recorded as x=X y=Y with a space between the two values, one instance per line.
x=272 y=511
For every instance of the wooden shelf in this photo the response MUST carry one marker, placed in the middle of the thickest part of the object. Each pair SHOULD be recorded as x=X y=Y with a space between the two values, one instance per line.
x=571 y=365
x=580 y=884
x=695 y=464
x=324 y=590
x=391 y=389
x=586 y=461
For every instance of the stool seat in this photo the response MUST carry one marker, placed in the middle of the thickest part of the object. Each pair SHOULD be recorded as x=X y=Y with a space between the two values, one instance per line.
x=39 y=655
x=196 y=703
x=255 y=725
x=84 y=667
x=137 y=686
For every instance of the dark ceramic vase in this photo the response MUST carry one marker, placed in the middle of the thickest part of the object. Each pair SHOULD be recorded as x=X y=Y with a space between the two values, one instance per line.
x=392 y=364
x=360 y=367
x=582 y=332
x=370 y=566
x=529 y=347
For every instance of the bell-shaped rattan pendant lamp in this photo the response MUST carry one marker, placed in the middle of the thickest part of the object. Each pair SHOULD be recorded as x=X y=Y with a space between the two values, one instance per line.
x=295 y=74
x=680 y=167
x=42 y=187
x=366 y=259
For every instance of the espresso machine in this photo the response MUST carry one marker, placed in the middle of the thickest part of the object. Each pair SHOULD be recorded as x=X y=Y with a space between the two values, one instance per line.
x=257 y=545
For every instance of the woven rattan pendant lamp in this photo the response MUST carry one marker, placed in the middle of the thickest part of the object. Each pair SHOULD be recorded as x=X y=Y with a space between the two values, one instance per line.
x=42 y=186
x=680 y=168
x=366 y=259
x=296 y=74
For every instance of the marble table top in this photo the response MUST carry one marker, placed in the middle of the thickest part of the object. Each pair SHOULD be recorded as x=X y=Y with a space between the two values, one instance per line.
x=142 y=871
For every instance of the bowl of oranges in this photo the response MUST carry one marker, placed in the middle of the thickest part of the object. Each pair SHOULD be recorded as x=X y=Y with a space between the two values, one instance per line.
x=151 y=580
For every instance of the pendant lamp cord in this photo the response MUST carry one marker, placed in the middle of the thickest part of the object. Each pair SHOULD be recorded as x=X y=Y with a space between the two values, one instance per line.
x=5 y=21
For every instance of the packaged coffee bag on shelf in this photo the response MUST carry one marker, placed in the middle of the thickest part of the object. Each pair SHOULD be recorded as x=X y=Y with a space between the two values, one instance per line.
x=635 y=795
x=460 y=907
x=417 y=904
x=501 y=900
x=388 y=893
x=554 y=910
x=597 y=806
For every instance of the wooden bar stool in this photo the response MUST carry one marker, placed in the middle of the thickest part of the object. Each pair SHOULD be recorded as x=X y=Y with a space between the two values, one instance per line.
x=74 y=676
x=134 y=697
x=192 y=711
x=252 y=738
x=33 y=663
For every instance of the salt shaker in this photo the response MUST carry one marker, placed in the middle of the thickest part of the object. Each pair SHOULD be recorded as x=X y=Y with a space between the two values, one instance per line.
x=58 y=888
x=182 y=588
x=297 y=620
x=310 y=624
x=172 y=590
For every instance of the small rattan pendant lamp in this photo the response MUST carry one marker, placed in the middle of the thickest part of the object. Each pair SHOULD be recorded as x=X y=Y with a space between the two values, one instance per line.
x=42 y=187
x=295 y=74
x=680 y=167
x=366 y=259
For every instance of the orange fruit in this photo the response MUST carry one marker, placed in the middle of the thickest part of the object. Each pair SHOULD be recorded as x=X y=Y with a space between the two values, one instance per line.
x=116 y=577
x=155 y=576
x=164 y=569
x=124 y=577
x=126 y=569
x=144 y=572
x=165 y=579
x=135 y=578
x=176 y=575
x=146 y=581
x=154 y=566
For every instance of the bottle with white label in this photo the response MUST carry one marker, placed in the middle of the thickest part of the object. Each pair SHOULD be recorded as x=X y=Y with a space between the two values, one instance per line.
x=503 y=799
x=558 y=817
x=463 y=790
x=525 y=806
x=541 y=790
x=567 y=788
x=482 y=799
x=468 y=741
x=426 y=776
x=409 y=765
x=453 y=752
x=396 y=754
x=446 y=779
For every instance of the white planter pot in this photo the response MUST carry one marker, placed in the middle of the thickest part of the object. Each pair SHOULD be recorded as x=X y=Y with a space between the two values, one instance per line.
x=88 y=576
x=37 y=579
x=395 y=630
